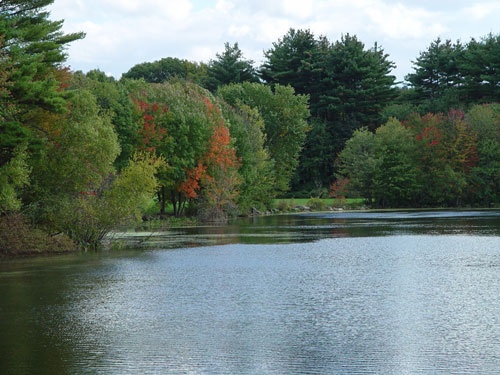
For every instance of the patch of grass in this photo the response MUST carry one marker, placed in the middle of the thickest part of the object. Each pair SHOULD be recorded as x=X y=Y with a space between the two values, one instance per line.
x=318 y=204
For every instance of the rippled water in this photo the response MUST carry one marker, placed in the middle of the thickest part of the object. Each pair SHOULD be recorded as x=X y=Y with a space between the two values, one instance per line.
x=342 y=293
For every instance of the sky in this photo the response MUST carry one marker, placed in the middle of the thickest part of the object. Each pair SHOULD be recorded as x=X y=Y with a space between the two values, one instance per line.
x=123 y=33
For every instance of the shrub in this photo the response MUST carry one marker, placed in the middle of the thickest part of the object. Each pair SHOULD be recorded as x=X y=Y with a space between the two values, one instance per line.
x=316 y=204
x=283 y=205
x=18 y=237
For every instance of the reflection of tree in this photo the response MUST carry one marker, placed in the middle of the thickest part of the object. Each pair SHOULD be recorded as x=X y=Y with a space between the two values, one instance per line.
x=32 y=323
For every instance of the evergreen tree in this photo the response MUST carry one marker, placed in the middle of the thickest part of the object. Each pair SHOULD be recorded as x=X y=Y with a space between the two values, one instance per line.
x=437 y=76
x=230 y=67
x=35 y=46
x=481 y=70
x=291 y=61
x=357 y=84
x=32 y=51
x=348 y=86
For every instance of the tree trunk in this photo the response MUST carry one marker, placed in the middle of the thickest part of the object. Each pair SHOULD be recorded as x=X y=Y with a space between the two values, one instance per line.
x=173 y=200
x=162 y=199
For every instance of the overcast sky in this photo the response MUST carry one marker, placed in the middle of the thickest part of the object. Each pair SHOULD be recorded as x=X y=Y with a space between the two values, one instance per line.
x=122 y=33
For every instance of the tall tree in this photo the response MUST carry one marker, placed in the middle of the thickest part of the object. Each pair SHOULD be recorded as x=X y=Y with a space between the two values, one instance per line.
x=291 y=61
x=358 y=164
x=175 y=124
x=395 y=178
x=221 y=182
x=357 y=84
x=437 y=76
x=166 y=69
x=32 y=53
x=285 y=117
x=481 y=70
x=81 y=147
x=446 y=153
x=484 y=120
x=256 y=170
x=35 y=45
x=351 y=87
x=230 y=67
x=113 y=100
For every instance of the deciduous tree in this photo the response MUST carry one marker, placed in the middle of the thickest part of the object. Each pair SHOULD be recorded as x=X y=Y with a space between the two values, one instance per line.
x=484 y=120
x=358 y=164
x=256 y=168
x=168 y=68
x=285 y=126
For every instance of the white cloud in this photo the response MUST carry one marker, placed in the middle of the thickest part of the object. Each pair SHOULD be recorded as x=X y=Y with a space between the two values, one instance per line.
x=224 y=6
x=480 y=11
x=400 y=21
x=122 y=33
x=300 y=9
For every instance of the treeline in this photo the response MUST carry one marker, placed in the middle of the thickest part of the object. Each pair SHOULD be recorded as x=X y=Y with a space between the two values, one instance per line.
x=434 y=160
x=81 y=153
x=349 y=87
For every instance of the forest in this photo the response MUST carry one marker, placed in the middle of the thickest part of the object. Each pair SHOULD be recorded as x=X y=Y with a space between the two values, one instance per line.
x=82 y=153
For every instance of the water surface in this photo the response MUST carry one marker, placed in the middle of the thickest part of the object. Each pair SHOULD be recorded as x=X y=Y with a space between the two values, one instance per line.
x=333 y=293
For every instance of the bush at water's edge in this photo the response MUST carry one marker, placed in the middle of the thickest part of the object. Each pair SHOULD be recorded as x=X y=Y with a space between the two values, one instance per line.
x=18 y=237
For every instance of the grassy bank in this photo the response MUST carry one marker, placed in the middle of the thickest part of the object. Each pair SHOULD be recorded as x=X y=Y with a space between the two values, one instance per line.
x=318 y=204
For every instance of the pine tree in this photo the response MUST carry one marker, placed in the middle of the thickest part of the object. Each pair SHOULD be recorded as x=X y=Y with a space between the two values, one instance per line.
x=31 y=53
x=230 y=67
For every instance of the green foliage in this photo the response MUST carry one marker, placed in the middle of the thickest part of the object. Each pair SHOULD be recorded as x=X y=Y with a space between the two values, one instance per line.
x=316 y=204
x=348 y=86
x=283 y=205
x=221 y=182
x=395 y=179
x=446 y=152
x=450 y=75
x=80 y=150
x=31 y=78
x=113 y=102
x=120 y=199
x=291 y=61
x=18 y=237
x=35 y=45
x=14 y=175
x=479 y=68
x=230 y=67
x=436 y=73
x=432 y=160
x=256 y=168
x=357 y=83
x=316 y=162
x=485 y=176
x=285 y=127
x=358 y=162
x=168 y=68
x=182 y=115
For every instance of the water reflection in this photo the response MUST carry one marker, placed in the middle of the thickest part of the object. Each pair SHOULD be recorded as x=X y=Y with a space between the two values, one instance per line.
x=314 y=226
x=399 y=299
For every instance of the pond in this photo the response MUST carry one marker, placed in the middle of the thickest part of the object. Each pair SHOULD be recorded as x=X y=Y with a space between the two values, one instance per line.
x=317 y=293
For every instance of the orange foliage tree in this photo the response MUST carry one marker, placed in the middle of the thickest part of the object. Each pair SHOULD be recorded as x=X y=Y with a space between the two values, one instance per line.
x=150 y=132
x=215 y=179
